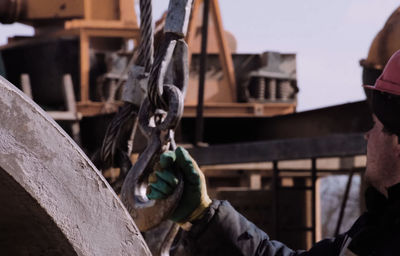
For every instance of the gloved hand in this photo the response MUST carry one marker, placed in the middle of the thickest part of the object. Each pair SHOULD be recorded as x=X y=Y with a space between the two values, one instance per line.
x=195 y=199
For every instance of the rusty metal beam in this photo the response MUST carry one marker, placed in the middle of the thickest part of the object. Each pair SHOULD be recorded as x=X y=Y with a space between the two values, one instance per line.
x=202 y=75
x=354 y=118
x=277 y=150
x=225 y=53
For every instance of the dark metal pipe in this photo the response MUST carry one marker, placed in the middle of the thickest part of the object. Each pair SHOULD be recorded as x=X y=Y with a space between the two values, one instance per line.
x=202 y=75
x=11 y=10
x=313 y=194
x=344 y=202
x=275 y=194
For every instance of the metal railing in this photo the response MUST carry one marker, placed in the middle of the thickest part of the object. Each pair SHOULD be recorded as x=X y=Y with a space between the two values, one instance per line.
x=339 y=145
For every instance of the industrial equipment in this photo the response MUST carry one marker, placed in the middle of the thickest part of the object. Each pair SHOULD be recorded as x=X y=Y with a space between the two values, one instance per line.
x=76 y=64
x=385 y=43
x=89 y=40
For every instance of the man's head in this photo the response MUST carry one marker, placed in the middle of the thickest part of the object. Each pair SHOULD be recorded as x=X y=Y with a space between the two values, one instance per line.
x=383 y=150
x=383 y=157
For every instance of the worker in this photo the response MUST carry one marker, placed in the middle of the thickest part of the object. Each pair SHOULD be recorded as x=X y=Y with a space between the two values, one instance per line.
x=215 y=228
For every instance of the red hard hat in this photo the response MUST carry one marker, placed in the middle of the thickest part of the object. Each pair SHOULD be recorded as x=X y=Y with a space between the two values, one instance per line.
x=389 y=80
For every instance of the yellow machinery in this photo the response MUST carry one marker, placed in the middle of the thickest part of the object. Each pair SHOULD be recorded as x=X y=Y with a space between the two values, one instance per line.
x=94 y=22
x=386 y=42
x=106 y=25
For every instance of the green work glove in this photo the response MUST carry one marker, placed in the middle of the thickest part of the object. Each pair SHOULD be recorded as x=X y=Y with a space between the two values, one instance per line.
x=195 y=199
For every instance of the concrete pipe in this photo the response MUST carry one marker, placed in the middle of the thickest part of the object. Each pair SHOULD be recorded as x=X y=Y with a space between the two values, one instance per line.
x=53 y=200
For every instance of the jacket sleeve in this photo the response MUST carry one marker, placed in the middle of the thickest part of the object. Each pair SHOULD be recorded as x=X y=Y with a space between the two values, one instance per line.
x=223 y=231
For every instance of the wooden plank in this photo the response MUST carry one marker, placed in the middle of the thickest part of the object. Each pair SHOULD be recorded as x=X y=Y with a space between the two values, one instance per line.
x=104 y=9
x=87 y=9
x=123 y=33
x=192 y=27
x=241 y=109
x=84 y=66
x=69 y=95
x=225 y=54
x=99 y=24
x=64 y=115
x=26 y=85
x=255 y=181
x=127 y=12
x=91 y=108
x=210 y=110
x=49 y=9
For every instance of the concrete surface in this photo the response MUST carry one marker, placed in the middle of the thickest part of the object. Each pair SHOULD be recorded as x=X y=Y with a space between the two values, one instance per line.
x=53 y=201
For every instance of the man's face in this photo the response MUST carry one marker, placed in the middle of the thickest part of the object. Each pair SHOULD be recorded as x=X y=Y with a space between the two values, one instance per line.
x=382 y=157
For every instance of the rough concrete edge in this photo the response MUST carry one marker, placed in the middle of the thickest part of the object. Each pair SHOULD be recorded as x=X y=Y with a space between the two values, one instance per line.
x=9 y=86
x=61 y=131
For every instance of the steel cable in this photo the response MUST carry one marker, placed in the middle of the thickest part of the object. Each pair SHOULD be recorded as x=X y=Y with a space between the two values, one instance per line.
x=125 y=113
x=155 y=90
x=146 y=47
x=145 y=59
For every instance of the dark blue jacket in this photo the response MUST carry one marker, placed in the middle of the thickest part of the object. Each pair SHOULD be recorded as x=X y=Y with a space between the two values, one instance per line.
x=223 y=231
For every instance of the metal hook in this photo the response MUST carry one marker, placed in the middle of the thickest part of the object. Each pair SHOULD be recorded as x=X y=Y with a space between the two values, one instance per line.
x=149 y=213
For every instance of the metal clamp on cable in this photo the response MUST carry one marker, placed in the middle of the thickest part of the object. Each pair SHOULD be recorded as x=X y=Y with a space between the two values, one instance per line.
x=178 y=17
x=170 y=67
x=135 y=89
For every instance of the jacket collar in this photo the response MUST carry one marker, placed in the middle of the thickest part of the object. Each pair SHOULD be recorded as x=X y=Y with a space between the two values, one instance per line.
x=376 y=202
x=394 y=193
x=379 y=222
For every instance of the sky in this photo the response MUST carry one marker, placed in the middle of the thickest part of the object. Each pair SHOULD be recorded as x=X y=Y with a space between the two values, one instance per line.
x=329 y=38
